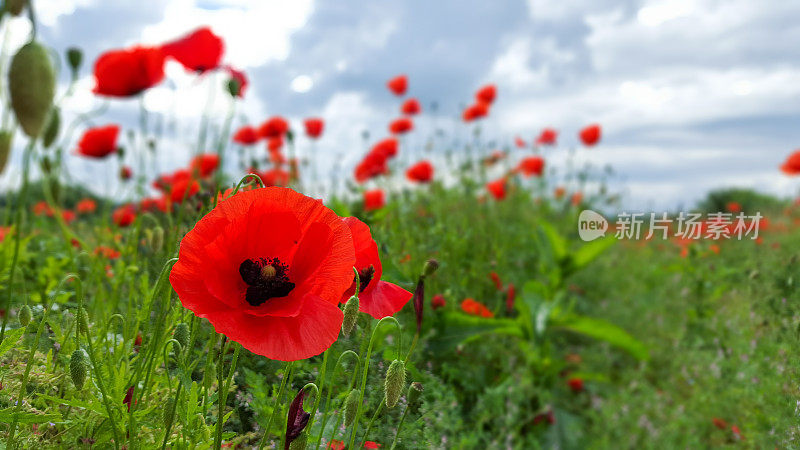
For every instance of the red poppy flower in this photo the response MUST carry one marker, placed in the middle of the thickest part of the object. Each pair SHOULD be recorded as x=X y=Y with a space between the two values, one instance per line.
x=401 y=126
x=246 y=135
x=68 y=215
x=576 y=199
x=198 y=51
x=42 y=209
x=4 y=231
x=532 y=165
x=374 y=199
x=494 y=158
x=387 y=147
x=165 y=181
x=107 y=252
x=548 y=136
x=421 y=172
x=477 y=111
x=497 y=188
x=733 y=207
x=519 y=142
x=371 y=444
x=336 y=445
x=486 y=94
x=377 y=298
x=124 y=73
x=498 y=283
x=398 y=85
x=125 y=173
x=86 y=205
x=559 y=192
x=239 y=78
x=98 y=142
x=474 y=308
x=275 y=143
x=511 y=295
x=124 y=215
x=314 y=127
x=205 y=164
x=182 y=189
x=438 y=301
x=153 y=204
x=575 y=384
x=275 y=177
x=276 y=156
x=590 y=135
x=792 y=164
x=274 y=127
x=411 y=107
x=267 y=268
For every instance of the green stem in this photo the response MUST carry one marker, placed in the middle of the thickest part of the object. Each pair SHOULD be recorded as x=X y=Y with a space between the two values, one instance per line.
x=286 y=370
x=330 y=389
x=371 y=421
x=399 y=427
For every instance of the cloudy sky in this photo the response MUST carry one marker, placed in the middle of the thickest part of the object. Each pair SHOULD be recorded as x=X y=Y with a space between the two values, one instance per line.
x=692 y=95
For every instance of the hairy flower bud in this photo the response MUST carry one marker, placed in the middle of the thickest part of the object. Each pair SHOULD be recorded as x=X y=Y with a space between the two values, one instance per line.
x=169 y=409
x=32 y=85
x=24 y=315
x=414 y=391
x=350 y=315
x=431 y=266
x=78 y=367
x=5 y=148
x=300 y=442
x=83 y=321
x=181 y=334
x=51 y=130
x=156 y=240
x=350 y=407
x=395 y=382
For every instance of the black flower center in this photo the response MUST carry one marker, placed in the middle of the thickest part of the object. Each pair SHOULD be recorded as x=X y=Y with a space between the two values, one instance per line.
x=364 y=277
x=266 y=278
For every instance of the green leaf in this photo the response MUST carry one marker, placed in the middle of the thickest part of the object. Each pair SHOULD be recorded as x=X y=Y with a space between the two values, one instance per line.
x=558 y=244
x=96 y=408
x=604 y=331
x=7 y=416
x=591 y=251
x=10 y=340
x=458 y=328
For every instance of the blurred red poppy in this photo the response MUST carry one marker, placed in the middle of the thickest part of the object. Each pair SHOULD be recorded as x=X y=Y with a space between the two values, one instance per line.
x=275 y=177
x=314 y=127
x=421 y=172
x=246 y=135
x=124 y=73
x=548 y=136
x=198 y=51
x=792 y=164
x=590 y=135
x=374 y=199
x=183 y=188
x=267 y=268
x=42 y=209
x=377 y=298
x=438 y=301
x=486 y=94
x=68 y=215
x=275 y=143
x=98 y=142
x=498 y=283
x=371 y=444
x=205 y=164
x=497 y=188
x=532 y=165
x=240 y=79
x=124 y=215
x=576 y=199
x=85 y=206
x=125 y=173
x=733 y=207
x=151 y=204
x=411 y=107
x=519 y=142
x=575 y=384
x=477 y=111
x=274 y=127
x=398 y=85
x=401 y=126
x=474 y=308
x=387 y=147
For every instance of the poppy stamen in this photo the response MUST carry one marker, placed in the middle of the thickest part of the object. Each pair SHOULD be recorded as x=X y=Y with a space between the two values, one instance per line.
x=266 y=278
x=365 y=276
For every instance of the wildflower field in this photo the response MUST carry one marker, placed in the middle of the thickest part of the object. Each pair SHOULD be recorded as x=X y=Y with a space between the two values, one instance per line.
x=428 y=296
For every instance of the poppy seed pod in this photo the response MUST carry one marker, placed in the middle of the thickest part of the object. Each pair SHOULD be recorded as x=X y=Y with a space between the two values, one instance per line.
x=5 y=148
x=78 y=367
x=350 y=407
x=51 y=130
x=350 y=315
x=395 y=382
x=181 y=334
x=32 y=85
x=431 y=266
x=414 y=391
x=24 y=315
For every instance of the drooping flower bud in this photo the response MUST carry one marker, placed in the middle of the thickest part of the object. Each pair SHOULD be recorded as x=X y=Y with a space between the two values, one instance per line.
x=394 y=383
x=419 y=301
x=234 y=87
x=350 y=315
x=181 y=334
x=430 y=267
x=75 y=59
x=51 y=130
x=24 y=315
x=351 y=406
x=414 y=391
x=296 y=420
x=78 y=367
x=32 y=85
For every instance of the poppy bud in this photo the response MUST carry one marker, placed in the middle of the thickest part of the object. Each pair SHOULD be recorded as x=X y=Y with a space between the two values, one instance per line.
x=32 y=85
x=46 y=165
x=51 y=130
x=15 y=7
x=414 y=391
x=419 y=301
x=24 y=315
x=83 y=321
x=350 y=407
x=234 y=87
x=299 y=443
x=155 y=239
x=78 y=367
x=350 y=315
x=395 y=382
x=430 y=268
x=296 y=421
x=74 y=58
x=168 y=410
x=181 y=334
x=5 y=148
